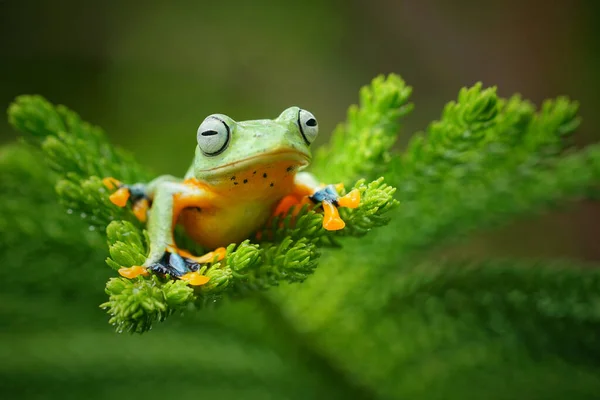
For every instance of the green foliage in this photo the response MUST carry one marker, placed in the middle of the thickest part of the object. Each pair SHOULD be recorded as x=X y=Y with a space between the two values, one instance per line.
x=486 y=161
x=481 y=134
x=438 y=326
x=361 y=146
x=40 y=242
x=134 y=305
x=80 y=154
x=376 y=200
x=125 y=245
x=380 y=317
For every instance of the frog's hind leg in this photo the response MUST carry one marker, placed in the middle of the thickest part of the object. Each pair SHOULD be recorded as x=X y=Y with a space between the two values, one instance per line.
x=164 y=258
x=160 y=225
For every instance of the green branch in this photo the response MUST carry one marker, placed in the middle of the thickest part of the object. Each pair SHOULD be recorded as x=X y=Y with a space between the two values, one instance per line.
x=81 y=156
x=376 y=314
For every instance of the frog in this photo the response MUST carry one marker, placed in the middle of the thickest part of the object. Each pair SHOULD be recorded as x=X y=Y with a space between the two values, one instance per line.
x=243 y=174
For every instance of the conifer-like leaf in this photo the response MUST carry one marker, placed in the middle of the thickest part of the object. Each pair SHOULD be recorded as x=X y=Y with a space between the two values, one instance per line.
x=381 y=317
x=80 y=155
x=125 y=245
x=134 y=305
x=360 y=147
x=440 y=325
x=376 y=202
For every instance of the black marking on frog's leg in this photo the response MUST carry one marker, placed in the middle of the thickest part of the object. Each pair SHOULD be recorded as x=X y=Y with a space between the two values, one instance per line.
x=245 y=181
x=235 y=183
x=265 y=175
x=161 y=266
x=254 y=173
x=191 y=265
x=233 y=178
x=272 y=184
x=328 y=193
x=159 y=269
x=171 y=264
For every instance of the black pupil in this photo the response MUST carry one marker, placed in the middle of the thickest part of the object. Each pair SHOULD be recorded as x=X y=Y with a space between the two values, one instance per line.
x=311 y=122
x=209 y=133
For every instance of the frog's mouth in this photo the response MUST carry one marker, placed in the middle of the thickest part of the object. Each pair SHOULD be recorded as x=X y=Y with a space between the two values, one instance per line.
x=295 y=158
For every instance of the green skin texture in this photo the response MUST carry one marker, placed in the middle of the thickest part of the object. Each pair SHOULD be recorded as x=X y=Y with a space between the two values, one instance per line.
x=253 y=145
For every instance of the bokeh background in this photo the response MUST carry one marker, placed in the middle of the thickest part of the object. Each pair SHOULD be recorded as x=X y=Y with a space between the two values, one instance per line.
x=149 y=72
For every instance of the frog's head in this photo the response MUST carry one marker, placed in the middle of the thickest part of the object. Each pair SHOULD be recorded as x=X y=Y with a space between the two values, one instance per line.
x=226 y=147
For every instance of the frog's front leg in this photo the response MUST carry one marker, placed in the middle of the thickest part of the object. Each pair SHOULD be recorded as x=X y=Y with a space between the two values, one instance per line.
x=308 y=190
x=140 y=194
x=169 y=197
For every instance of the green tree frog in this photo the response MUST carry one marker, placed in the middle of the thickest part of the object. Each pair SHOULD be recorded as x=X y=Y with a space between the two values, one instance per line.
x=243 y=173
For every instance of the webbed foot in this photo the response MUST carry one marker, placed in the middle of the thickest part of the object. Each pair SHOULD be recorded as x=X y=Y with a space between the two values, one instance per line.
x=123 y=193
x=182 y=265
x=174 y=265
x=330 y=199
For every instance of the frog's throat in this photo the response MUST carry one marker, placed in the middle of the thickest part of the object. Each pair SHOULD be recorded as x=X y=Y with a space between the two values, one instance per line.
x=295 y=157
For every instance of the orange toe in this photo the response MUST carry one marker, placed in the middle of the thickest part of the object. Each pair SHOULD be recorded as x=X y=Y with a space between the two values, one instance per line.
x=133 y=272
x=195 y=279
x=351 y=200
x=331 y=218
x=111 y=183
x=120 y=197
x=140 y=210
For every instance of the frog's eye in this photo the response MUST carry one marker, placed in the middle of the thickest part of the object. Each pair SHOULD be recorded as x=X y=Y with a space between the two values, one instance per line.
x=308 y=126
x=213 y=136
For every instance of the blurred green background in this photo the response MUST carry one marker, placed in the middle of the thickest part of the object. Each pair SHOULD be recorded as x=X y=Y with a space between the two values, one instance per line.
x=149 y=72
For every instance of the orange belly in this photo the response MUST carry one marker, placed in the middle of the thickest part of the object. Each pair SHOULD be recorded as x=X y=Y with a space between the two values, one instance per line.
x=243 y=202
x=216 y=227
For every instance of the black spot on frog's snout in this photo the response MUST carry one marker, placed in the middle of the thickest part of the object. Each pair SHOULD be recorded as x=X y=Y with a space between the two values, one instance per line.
x=311 y=122
x=265 y=175
x=233 y=178
x=245 y=180
x=272 y=184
